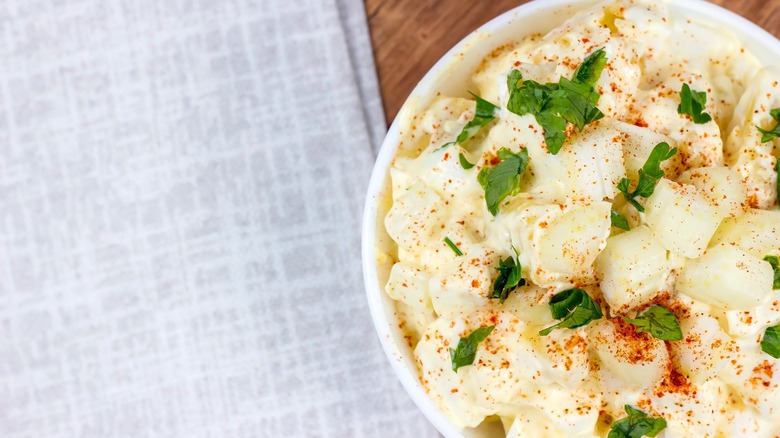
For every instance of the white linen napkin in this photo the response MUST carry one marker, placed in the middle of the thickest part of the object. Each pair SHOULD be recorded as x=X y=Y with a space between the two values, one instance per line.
x=181 y=184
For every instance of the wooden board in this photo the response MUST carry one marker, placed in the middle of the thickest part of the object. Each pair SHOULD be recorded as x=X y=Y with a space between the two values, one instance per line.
x=409 y=36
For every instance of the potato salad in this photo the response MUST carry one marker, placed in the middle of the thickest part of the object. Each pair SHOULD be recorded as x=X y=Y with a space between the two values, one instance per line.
x=588 y=237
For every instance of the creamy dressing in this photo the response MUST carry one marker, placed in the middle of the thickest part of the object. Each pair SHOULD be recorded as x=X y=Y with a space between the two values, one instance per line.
x=696 y=249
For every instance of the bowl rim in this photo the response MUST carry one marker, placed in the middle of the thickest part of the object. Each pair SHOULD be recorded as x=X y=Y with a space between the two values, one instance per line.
x=715 y=14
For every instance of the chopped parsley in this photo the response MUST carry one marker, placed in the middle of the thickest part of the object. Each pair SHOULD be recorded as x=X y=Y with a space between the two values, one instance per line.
x=770 y=343
x=574 y=307
x=572 y=100
x=693 y=102
x=466 y=351
x=464 y=162
x=619 y=221
x=453 y=247
x=771 y=134
x=483 y=114
x=649 y=175
x=659 y=322
x=636 y=425
x=512 y=79
x=503 y=179
x=509 y=278
x=773 y=260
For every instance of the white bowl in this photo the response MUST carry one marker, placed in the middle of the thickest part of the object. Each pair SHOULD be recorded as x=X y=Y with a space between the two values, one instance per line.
x=451 y=76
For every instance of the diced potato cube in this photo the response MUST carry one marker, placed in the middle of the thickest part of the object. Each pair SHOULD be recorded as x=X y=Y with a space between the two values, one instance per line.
x=435 y=364
x=441 y=170
x=681 y=218
x=503 y=357
x=753 y=159
x=637 y=143
x=415 y=215
x=631 y=269
x=638 y=359
x=722 y=186
x=727 y=277
x=567 y=352
x=530 y=304
x=401 y=177
x=410 y=285
x=573 y=412
x=513 y=132
x=756 y=380
x=594 y=164
x=464 y=284
x=701 y=353
x=573 y=241
x=757 y=232
x=557 y=244
x=699 y=144
x=753 y=322
x=445 y=118
x=689 y=413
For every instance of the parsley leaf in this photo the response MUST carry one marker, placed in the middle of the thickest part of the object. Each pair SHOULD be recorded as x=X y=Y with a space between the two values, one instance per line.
x=773 y=260
x=509 y=278
x=512 y=79
x=530 y=98
x=554 y=128
x=771 y=134
x=693 y=102
x=483 y=114
x=659 y=322
x=464 y=163
x=770 y=343
x=619 y=221
x=576 y=102
x=503 y=179
x=649 y=175
x=574 y=307
x=777 y=170
x=466 y=351
x=453 y=247
x=636 y=425
x=553 y=105
x=590 y=70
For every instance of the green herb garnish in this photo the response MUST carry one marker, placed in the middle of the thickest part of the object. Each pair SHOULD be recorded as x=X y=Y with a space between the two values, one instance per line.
x=770 y=343
x=636 y=425
x=512 y=79
x=693 y=103
x=771 y=134
x=466 y=351
x=777 y=171
x=509 y=278
x=503 y=179
x=619 y=221
x=649 y=175
x=453 y=247
x=483 y=114
x=773 y=260
x=574 y=307
x=659 y=322
x=464 y=163
x=553 y=105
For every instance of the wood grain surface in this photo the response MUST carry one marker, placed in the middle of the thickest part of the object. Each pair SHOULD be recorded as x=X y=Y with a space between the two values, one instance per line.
x=409 y=36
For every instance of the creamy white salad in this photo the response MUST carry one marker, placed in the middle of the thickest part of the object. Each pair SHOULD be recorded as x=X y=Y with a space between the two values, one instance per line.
x=587 y=243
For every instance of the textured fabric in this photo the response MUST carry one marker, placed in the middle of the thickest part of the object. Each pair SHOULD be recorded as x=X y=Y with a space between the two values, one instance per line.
x=181 y=184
